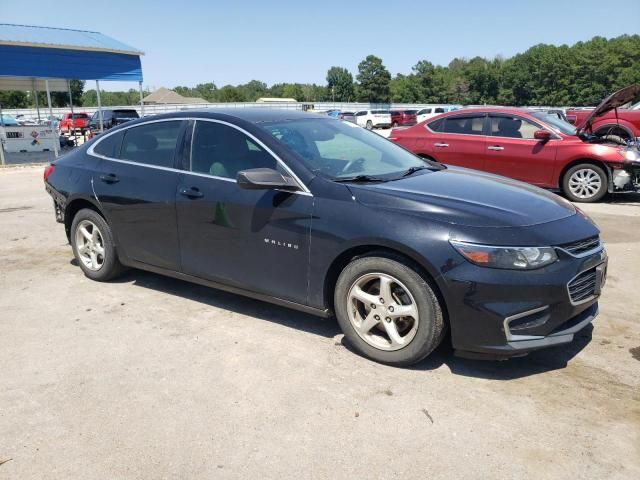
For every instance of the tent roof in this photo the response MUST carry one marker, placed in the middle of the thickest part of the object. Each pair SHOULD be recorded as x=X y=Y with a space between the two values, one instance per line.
x=48 y=37
x=43 y=52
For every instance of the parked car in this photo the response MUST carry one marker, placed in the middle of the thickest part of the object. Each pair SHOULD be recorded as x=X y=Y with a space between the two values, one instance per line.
x=429 y=112
x=371 y=119
x=347 y=117
x=8 y=120
x=608 y=119
x=534 y=147
x=401 y=118
x=333 y=113
x=317 y=215
x=72 y=122
x=111 y=118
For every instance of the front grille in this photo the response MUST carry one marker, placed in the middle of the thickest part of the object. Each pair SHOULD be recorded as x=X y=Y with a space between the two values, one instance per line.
x=583 y=287
x=581 y=246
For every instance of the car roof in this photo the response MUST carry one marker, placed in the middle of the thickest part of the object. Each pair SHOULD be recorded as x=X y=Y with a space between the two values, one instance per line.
x=250 y=114
x=489 y=109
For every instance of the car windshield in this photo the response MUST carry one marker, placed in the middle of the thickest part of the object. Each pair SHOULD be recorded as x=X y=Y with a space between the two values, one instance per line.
x=556 y=122
x=342 y=150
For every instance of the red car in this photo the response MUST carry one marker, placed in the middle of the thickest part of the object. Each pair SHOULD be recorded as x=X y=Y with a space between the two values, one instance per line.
x=534 y=147
x=611 y=121
x=74 y=121
x=403 y=117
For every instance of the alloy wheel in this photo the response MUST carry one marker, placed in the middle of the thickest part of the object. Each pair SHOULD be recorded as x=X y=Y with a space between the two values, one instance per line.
x=382 y=311
x=585 y=183
x=90 y=245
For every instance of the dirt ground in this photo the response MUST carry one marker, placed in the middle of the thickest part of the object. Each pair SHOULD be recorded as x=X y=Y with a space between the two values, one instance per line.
x=149 y=377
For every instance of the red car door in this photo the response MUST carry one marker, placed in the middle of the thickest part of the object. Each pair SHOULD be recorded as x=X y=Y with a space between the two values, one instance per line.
x=512 y=150
x=458 y=140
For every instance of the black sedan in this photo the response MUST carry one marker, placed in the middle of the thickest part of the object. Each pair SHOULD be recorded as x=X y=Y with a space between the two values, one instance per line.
x=325 y=217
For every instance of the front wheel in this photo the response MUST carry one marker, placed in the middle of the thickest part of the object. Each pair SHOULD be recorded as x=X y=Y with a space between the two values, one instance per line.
x=93 y=246
x=387 y=311
x=369 y=125
x=585 y=183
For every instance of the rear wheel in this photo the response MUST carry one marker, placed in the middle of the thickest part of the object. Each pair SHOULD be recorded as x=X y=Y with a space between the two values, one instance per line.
x=369 y=125
x=585 y=183
x=395 y=124
x=93 y=246
x=387 y=311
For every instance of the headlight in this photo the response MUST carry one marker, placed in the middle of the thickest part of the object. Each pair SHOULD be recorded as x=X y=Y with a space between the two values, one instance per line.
x=630 y=155
x=513 y=258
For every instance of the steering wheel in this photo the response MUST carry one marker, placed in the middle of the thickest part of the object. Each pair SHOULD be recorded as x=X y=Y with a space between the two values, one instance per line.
x=352 y=163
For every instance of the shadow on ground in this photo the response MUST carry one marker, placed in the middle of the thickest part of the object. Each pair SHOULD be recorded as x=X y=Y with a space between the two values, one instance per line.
x=536 y=363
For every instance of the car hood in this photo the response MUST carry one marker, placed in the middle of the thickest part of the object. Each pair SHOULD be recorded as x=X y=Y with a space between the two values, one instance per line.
x=466 y=197
x=615 y=100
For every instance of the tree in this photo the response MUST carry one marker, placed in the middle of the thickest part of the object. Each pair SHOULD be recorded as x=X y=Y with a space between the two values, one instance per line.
x=61 y=99
x=340 y=84
x=14 y=99
x=373 y=81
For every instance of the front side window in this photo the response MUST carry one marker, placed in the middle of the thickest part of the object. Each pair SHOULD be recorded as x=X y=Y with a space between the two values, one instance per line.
x=464 y=125
x=439 y=110
x=512 y=127
x=223 y=151
x=339 y=150
x=151 y=144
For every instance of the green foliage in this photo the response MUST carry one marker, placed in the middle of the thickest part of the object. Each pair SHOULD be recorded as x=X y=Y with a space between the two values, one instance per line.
x=340 y=85
x=373 y=81
x=581 y=74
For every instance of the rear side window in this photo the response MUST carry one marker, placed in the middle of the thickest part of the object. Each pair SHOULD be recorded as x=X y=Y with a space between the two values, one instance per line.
x=436 y=125
x=151 y=144
x=110 y=145
x=464 y=125
x=223 y=151
x=125 y=114
x=439 y=110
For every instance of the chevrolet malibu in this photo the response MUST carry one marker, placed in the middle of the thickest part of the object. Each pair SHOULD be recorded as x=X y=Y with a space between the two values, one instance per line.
x=322 y=216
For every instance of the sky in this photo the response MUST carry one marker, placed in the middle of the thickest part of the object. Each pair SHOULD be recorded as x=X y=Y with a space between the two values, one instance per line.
x=230 y=42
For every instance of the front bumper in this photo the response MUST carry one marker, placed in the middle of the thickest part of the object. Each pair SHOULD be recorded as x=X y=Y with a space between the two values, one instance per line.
x=505 y=313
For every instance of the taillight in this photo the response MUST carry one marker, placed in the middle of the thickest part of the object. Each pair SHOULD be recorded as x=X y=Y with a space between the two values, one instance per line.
x=48 y=170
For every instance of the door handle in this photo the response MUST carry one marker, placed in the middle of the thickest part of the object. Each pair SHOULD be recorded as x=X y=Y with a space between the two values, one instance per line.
x=495 y=147
x=441 y=145
x=110 y=178
x=192 y=192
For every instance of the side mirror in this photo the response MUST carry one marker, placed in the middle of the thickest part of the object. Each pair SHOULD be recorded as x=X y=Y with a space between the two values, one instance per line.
x=542 y=135
x=265 y=179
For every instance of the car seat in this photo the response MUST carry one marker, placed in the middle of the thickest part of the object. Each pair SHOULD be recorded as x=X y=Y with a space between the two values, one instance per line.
x=509 y=127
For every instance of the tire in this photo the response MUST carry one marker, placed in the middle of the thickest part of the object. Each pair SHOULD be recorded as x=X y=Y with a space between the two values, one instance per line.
x=585 y=183
x=394 y=125
x=419 y=332
x=95 y=253
x=369 y=125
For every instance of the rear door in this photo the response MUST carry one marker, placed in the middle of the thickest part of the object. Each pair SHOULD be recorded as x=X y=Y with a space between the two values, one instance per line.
x=257 y=240
x=136 y=186
x=512 y=150
x=459 y=140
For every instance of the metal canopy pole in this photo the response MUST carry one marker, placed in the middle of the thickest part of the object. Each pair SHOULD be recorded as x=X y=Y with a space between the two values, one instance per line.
x=72 y=130
x=99 y=107
x=55 y=133
x=35 y=92
x=2 y=160
x=141 y=100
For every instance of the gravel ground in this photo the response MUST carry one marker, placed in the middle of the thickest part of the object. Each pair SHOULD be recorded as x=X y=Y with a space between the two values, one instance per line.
x=150 y=377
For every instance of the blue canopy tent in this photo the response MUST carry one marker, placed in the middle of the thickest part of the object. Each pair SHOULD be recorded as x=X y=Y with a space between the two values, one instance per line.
x=30 y=54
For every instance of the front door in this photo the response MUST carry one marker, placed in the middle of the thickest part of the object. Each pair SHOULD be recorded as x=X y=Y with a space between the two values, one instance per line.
x=512 y=150
x=136 y=186
x=253 y=239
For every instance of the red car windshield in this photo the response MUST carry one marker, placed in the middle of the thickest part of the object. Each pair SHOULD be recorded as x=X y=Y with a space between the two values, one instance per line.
x=556 y=122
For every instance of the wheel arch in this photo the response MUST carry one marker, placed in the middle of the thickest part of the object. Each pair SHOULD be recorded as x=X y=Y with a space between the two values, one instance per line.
x=426 y=271
x=602 y=127
x=73 y=207
x=592 y=161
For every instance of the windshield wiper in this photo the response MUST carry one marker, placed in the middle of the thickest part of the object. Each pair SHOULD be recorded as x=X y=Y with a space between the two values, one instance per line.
x=360 y=179
x=413 y=170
